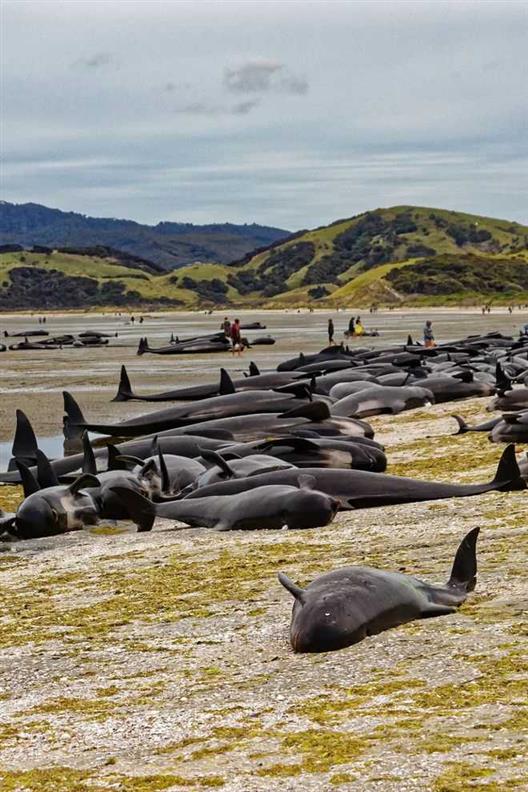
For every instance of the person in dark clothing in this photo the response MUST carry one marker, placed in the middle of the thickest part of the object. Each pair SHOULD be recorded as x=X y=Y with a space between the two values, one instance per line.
x=226 y=327
x=428 y=335
x=351 y=326
x=331 y=331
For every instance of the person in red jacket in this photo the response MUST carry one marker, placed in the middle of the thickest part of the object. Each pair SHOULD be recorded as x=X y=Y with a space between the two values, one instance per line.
x=236 y=340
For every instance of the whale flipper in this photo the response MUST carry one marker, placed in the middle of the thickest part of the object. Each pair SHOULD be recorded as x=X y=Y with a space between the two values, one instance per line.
x=295 y=590
x=141 y=510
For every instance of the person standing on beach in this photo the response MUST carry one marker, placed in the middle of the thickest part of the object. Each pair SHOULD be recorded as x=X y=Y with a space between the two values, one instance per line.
x=226 y=327
x=236 y=340
x=428 y=334
x=331 y=331
x=351 y=326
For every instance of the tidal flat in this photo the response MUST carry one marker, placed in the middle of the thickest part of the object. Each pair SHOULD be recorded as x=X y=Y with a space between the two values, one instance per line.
x=161 y=661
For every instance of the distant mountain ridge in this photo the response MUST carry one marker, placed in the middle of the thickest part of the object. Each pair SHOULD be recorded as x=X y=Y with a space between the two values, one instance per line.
x=167 y=244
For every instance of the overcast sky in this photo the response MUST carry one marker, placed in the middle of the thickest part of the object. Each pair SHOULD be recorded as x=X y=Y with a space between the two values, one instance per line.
x=291 y=114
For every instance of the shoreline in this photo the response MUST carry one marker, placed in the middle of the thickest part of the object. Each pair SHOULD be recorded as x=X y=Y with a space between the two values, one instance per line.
x=401 y=310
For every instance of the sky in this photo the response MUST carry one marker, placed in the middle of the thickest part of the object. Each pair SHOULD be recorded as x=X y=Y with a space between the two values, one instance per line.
x=291 y=114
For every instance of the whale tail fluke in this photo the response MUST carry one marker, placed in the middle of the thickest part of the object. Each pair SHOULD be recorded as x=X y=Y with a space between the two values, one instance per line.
x=462 y=425
x=25 y=443
x=464 y=571
x=508 y=476
x=124 y=389
x=140 y=509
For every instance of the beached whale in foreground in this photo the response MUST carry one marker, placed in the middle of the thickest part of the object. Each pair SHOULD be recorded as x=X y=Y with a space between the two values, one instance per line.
x=345 y=606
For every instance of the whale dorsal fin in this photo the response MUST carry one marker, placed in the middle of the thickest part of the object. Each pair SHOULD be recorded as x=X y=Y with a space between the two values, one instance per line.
x=165 y=478
x=124 y=390
x=218 y=461
x=29 y=482
x=25 y=443
x=226 y=383
x=295 y=590
x=254 y=370
x=89 y=464
x=45 y=474
x=464 y=572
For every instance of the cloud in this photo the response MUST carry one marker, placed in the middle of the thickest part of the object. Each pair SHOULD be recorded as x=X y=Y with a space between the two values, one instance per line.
x=294 y=85
x=261 y=76
x=206 y=109
x=243 y=108
x=96 y=61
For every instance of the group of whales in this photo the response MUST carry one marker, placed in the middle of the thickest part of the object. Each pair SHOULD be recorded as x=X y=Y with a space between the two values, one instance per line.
x=287 y=448
x=87 y=338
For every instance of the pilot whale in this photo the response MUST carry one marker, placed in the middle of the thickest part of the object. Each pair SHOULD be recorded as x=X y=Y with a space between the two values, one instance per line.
x=343 y=607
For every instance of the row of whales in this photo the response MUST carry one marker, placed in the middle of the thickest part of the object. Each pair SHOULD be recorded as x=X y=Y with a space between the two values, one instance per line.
x=279 y=449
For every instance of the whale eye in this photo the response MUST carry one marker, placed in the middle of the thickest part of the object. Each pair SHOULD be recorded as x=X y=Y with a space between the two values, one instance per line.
x=55 y=515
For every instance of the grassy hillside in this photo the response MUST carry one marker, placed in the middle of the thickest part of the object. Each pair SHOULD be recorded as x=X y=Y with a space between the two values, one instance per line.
x=402 y=255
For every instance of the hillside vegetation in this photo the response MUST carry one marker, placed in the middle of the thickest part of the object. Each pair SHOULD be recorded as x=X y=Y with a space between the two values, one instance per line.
x=403 y=254
x=399 y=256
x=169 y=245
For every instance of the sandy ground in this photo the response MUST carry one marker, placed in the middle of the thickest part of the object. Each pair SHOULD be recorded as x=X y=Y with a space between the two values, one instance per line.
x=161 y=661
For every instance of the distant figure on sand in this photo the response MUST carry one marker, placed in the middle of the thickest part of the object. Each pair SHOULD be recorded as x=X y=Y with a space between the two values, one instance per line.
x=331 y=331
x=236 y=340
x=351 y=326
x=360 y=330
x=226 y=327
x=428 y=334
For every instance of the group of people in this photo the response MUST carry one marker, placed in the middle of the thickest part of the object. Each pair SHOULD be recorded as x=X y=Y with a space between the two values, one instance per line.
x=355 y=328
x=232 y=331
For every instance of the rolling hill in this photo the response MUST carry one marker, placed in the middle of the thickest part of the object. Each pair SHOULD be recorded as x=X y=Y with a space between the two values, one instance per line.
x=169 y=245
x=403 y=255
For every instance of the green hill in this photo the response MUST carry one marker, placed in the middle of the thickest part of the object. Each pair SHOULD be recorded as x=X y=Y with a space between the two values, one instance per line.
x=403 y=255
